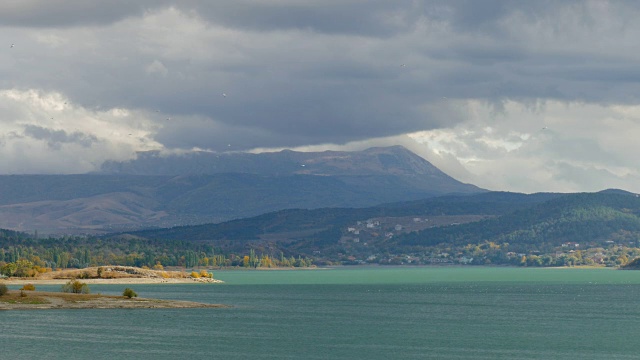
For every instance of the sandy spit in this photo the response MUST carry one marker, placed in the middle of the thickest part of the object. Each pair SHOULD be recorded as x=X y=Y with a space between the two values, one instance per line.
x=122 y=281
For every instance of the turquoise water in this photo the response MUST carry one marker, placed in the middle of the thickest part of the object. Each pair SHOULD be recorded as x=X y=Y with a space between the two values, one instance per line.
x=354 y=313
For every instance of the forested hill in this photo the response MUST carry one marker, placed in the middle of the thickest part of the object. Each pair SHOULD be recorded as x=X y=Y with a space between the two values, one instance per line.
x=587 y=218
x=327 y=223
x=489 y=228
x=533 y=221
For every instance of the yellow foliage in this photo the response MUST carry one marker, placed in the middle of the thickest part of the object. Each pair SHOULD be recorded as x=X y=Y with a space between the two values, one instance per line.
x=195 y=275
x=164 y=274
x=28 y=287
x=158 y=266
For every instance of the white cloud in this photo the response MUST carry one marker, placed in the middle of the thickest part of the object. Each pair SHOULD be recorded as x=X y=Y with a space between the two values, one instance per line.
x=558 y=147
x=46 y=133
x=156 y=67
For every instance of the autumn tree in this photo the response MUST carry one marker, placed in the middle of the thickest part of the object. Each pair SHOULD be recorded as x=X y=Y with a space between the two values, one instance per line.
x=76 y=287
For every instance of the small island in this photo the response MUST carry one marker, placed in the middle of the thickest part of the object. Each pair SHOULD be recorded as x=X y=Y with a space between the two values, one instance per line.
x=39 y=300
x=79 y=298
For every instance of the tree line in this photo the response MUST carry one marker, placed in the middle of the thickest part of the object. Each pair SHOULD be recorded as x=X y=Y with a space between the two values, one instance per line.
x=27 y=256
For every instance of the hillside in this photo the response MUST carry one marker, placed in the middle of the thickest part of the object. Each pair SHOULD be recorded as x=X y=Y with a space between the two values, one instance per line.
x=538 y=223
x=489 y=228
x=587 y=218
x=157 y=191
x=324 y=226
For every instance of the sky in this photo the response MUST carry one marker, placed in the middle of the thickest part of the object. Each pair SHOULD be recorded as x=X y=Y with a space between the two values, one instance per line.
x=525 y=96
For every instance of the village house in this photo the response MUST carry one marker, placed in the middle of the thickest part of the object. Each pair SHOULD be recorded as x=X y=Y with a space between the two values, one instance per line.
x=570 y=244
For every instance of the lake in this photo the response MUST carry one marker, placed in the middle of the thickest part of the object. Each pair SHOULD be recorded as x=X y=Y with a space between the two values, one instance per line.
x=353 y=313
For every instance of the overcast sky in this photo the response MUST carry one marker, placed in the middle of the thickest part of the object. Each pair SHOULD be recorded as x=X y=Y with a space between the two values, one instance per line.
x=516 y=95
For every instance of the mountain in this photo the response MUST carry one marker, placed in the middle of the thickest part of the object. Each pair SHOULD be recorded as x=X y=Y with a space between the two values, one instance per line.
x=393 y=160
x=163 y=191
x=386 y=167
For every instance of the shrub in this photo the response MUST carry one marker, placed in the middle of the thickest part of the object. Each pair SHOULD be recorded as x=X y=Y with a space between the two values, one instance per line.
x=28 y=287
x=76 y=287
x=129 y=293
x=195 y=275
x=23 y=294
x=3 y=289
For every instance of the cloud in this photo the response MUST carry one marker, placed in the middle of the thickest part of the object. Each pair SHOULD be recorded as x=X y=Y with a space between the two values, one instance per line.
x=552 y=148
x=47 y=133
x=473 y=82
x=66 y=13
x=55 y=138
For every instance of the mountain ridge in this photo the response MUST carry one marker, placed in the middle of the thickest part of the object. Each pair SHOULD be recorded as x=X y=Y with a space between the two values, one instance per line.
x=157 y=191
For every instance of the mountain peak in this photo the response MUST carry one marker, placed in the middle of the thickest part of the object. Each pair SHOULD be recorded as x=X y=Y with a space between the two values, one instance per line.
x=396 y=160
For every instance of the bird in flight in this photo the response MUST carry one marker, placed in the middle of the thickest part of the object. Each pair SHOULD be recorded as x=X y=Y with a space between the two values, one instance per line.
x=224 y=95
x=12 y=45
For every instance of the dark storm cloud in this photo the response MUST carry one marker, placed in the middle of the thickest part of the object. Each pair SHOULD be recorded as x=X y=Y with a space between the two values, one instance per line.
x=55 y=138
x=369 y=18
x=67 y=13
x=286 y=73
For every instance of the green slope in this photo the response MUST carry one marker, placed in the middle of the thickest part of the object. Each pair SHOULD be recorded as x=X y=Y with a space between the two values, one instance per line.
x=584 y=218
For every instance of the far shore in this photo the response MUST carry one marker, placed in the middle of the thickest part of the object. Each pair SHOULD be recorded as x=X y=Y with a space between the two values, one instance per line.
x=114 y=275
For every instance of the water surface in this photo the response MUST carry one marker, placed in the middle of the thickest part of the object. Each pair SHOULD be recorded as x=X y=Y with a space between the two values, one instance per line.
x=355 y=313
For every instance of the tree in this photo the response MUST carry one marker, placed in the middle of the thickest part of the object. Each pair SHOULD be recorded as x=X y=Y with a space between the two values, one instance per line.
x=76 y=287
x=24 y=268
x=28 y=287
x=9 y=269
x=3 y=289
x=129 y=293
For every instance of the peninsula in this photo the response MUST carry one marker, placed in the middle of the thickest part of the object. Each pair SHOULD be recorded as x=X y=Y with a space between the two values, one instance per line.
x=39 y=300
x=25 y=299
